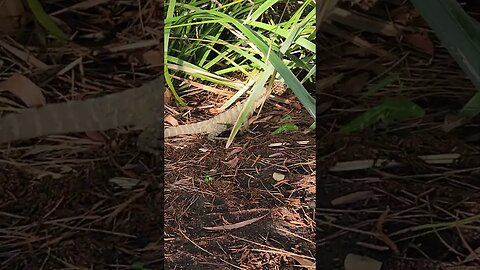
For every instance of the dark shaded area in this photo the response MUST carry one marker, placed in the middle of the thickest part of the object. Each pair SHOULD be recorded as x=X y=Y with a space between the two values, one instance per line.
x=90 y=200
x=415 y=215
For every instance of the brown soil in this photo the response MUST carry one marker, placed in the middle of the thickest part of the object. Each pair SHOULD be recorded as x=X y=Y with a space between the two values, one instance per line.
x=416 y=215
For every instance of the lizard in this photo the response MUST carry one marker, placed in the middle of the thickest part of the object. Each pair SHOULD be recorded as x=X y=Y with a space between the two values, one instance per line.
x=213 y=126
x=140 y=107
x=217 y=124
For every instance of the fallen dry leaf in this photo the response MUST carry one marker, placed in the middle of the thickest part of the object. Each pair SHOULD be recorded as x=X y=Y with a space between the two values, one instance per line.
x=352 y=197
x=404 y=14
x=153 y=58
x=233 y=162
x=167 y=96
x=96 y=136
x=124 y=182
x=12 y=17
x=297 y=105
x=171 y=120
x=357 y=262
x=278 y=176
x=236 y=225
x=356 y=83
x=420 y=41
x=304 y=262
x=234 y=151
x=24 y=89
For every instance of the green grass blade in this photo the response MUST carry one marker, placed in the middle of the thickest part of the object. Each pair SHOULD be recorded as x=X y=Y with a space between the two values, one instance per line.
x=257 y=91
x=290 y=79
x=301 y=41
x=260 y=10
x=390 y=110
x=44 y=19
x=166 y=37
x=382 y=84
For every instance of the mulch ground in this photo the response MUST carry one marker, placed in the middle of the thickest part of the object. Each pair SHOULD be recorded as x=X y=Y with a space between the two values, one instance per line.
x=417 y=213
x=82 y=201
x=225 y=209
